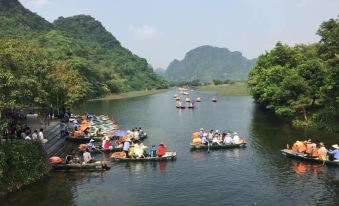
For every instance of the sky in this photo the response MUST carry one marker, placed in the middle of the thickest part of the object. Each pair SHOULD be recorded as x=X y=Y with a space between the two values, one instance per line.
x=164 y=30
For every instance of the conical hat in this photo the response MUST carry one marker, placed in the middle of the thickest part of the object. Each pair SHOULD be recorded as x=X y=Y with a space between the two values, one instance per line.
x=335 y=146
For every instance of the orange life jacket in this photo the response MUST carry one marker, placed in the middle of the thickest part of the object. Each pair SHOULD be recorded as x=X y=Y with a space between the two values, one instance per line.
x=119 y=155
x=196 y=140
x=55 y=160
x=195 y=135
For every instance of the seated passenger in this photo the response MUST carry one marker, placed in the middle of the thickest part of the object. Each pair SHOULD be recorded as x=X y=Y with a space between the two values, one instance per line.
x=131 y=151
x=215 y=140
x=228 y=139
x=106 y=144
x=91 y=145
x=210 y=135
x=87 y=157
x=72 y=159
x=161 y=151
x=309 y=146
x=153 y=151
x=204 y=139
x=127 y=145
x=139 y=150
x=136 y=134
x=322 y=151
x=334 y=154
x=299 y=147
x=201 y=132
x=236 y=138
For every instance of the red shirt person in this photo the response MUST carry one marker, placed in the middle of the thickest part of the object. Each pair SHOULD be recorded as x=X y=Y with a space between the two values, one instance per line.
x=161 y=151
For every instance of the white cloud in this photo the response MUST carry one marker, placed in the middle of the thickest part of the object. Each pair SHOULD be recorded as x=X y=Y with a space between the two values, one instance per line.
x=144 y=32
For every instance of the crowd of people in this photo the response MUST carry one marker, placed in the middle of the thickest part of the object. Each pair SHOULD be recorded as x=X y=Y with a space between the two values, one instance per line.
x=312 y=150
x=216 y=138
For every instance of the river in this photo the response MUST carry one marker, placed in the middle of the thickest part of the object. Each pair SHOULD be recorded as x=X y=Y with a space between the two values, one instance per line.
x=255 y=175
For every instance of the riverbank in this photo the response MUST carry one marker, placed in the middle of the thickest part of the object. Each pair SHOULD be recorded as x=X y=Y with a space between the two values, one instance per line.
x=130 y=94
x=236 y=89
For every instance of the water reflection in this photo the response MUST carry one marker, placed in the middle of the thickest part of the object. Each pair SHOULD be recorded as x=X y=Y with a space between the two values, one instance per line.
x=303 y=168
x=139 y=166
x=56 y=188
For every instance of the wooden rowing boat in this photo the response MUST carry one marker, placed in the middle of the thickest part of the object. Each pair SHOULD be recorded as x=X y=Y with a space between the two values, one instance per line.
x=83 y=139
x=96 y=139
x=98 y=151
x=167 y=157
x=97 y=166
x=180 y=107
x=215 y=147
x=301 y=156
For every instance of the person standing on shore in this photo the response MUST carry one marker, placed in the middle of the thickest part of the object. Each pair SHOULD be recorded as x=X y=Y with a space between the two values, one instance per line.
x=35 y=135
x=42 y=139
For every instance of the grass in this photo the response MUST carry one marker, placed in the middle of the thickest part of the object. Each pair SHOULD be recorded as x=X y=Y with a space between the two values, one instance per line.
x=236 y=89
x=131 y=94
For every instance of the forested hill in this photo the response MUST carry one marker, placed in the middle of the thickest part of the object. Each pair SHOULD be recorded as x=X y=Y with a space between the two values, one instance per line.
x=207 y=63
x=85 y=45
x=17 y=21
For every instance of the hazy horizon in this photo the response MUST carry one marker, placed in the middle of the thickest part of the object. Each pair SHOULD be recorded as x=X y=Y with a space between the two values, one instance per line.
x=163 y=31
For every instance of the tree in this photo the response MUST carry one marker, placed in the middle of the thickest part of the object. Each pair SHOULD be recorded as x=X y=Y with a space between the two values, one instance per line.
x=313 y=72
x=68 y=87
x=23 y=71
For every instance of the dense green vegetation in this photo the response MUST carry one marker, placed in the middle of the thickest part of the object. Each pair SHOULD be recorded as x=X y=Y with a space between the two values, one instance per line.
x=21 y=163
x=85 y=45
x=207 y=63
x=31 y=79
x=62 y=64
x=301 y=82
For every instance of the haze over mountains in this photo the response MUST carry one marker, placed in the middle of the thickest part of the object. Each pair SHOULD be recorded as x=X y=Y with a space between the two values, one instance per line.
x=207 y=63
x=85 y=44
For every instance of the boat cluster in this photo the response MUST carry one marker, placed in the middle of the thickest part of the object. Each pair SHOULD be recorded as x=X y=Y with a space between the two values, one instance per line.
x=90 y=126
x=188 y=100
x=106 y=138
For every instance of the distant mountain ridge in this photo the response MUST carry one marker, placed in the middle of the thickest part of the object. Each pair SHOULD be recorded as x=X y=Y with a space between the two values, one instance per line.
x=84 y=43
x=207 y=63
x=160 y=71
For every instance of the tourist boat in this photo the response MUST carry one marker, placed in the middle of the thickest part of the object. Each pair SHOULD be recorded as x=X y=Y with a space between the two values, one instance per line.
x=187 y=99
x=198 y=99
x=215 y=147
x=177 y=98
x=101 y=150
x=120 y=157
x=301 y=156
x=83 y=139
x=180 y=107
x=96 y=166
x=214 y=99
x=190 y=107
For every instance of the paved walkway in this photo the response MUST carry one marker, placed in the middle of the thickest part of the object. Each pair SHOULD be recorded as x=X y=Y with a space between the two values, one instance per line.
x=56 y=145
